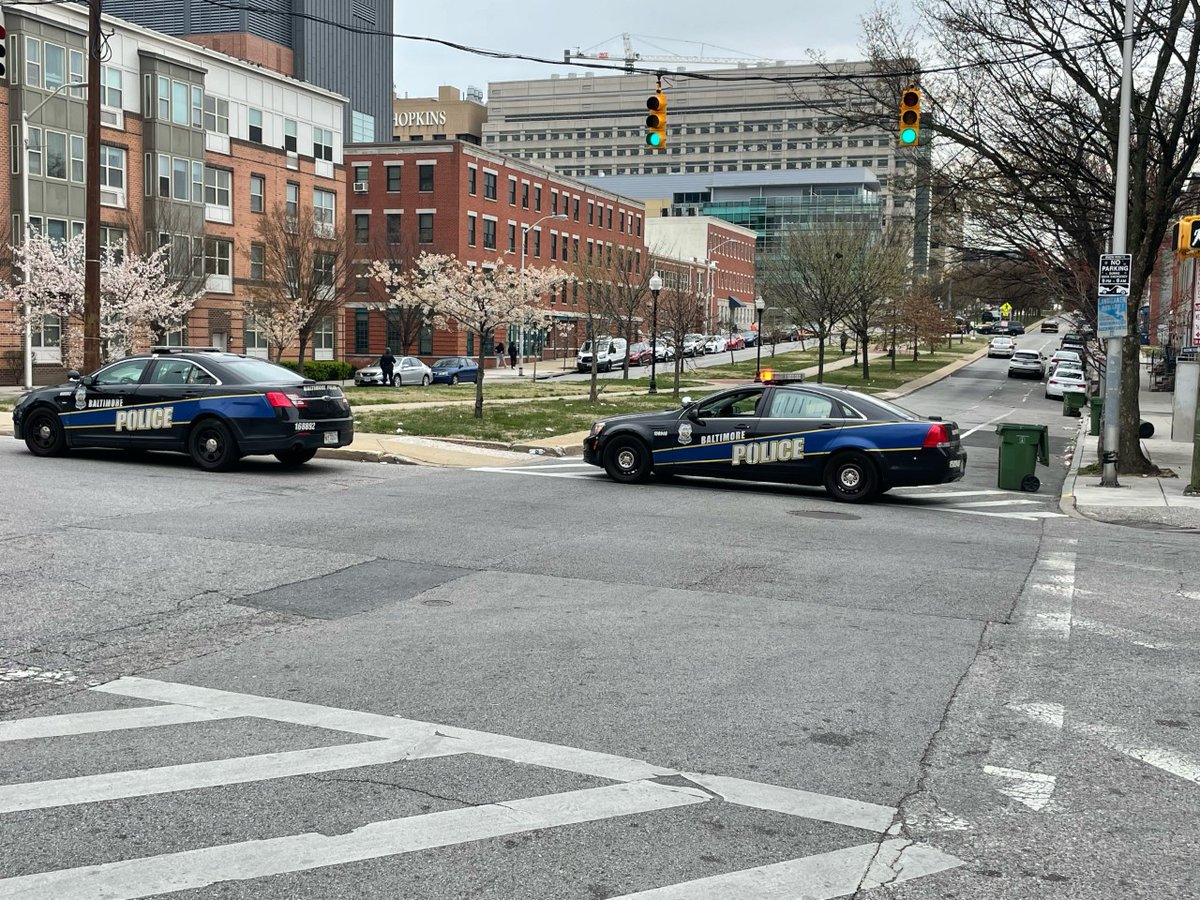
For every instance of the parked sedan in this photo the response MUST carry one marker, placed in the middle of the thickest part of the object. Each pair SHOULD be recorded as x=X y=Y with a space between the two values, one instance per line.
x=664 y=350
x=749 y=338
x=1026 y=363
x=453 y=369
x=409 y=370
x=1050 y=326
x=693 y=345
x=714 y=343
x=1065 y=379
x=640 y=354
x=735 y=342
x=1069 y=358
x=1001 y=346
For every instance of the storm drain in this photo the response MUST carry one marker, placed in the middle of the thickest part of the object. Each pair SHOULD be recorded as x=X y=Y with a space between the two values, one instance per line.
x=827 y=514
x=354 y=590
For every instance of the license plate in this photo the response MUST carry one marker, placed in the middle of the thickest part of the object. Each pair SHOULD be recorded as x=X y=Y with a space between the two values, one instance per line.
x=331 y=437
x=956 y=463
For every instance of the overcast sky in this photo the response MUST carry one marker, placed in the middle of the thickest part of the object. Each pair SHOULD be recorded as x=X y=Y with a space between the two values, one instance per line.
x=777 y=29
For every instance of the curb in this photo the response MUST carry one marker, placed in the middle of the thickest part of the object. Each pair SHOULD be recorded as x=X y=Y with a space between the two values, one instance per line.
x=375 y=456
x=1066 y=500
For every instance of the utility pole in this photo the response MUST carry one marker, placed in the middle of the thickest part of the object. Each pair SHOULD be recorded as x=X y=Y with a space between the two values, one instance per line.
x=1113 y=345
x=91 y=230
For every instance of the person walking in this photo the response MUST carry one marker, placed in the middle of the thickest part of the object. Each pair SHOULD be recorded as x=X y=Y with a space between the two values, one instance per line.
x=387 y=365
x=512 y=353
x=499 y=350
x=845 y=341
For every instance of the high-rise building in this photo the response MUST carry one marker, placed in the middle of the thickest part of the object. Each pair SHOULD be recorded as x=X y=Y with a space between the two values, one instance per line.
x=321 y=42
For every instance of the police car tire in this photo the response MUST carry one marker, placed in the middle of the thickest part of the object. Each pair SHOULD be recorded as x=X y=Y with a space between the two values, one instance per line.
x=627 y=460
x=51 y=442
x=297 y=456
x=224 y=457
x=847 y=469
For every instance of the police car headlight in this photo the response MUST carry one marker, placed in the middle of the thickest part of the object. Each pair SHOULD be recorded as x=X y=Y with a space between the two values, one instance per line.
x=597 y=428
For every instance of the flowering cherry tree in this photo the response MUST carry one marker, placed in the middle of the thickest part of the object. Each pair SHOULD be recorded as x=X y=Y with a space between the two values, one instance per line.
x=138 y=297
x=478 y=299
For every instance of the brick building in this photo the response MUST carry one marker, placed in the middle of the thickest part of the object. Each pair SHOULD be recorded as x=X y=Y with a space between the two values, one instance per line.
x=197 y=147
x=456 y=198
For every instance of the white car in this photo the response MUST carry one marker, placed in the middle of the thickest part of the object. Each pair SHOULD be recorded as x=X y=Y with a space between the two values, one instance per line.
x=409 y=370
x=1069 y=358
x=610 y=354
x=693 y=345
x=1026 y=363
x=1001 y=346
x=714 y=344
x=1065 y=379
x=664 y=350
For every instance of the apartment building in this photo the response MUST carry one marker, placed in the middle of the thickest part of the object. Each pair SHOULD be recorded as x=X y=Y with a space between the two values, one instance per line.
x=454 y=197
x=726 y=256
x=196 y=148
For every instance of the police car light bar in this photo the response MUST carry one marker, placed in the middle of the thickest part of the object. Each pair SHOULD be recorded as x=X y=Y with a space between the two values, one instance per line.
x=186 y=350
x=769 y=377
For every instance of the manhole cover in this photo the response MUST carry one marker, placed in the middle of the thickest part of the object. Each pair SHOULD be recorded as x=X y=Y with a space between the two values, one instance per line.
x=823 y=514
x=437 y=603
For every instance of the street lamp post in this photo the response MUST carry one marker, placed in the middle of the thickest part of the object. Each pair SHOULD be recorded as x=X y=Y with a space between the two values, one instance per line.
x=525 y=229
x=24 y=150
x=656 y=284
x=710 y=268
x=759 y=305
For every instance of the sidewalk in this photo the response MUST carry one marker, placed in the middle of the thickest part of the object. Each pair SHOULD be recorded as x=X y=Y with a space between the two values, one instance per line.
x=1138 y=500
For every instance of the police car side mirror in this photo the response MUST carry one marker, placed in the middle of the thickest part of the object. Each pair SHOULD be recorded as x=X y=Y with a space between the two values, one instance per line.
x=87 y=380
x=73 y=375
x=691 y=413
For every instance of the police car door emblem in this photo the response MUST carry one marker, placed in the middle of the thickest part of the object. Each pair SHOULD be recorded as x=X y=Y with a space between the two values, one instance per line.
x=685 y=432
x=80 y=397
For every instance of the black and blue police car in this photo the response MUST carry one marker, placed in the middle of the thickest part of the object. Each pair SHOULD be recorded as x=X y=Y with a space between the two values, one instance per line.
x=783 y=430
x=215 y=406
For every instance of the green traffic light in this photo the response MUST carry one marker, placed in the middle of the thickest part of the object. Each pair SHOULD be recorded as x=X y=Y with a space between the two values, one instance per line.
x=654 y=139
x=908 y=136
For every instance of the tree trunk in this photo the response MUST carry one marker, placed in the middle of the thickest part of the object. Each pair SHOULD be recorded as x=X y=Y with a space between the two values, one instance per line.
x=820 y=358
x=303 y=350
x=1130 y=459
x=866 y=355
x=593 y=389
x=483 y=342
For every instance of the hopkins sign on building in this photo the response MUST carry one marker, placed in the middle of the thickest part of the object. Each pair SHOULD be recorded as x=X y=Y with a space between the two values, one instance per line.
x=419 y=119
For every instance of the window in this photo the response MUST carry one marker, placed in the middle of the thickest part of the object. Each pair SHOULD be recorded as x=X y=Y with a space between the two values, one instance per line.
x=258 y=192
x=111 y=93
x=164 y=98
x=362 y=279
x=792 y=404
x=392 y=222
x=258 y=262
x=727 y=406
x=575 y=208
x=362 y=331
x=537 y=242
x=56 y=229
x=425 y=228
x=362 y=228
x=216 y=186
x=610 y=218
x=425 y=340
x=324 y=268
x=537 y=199
x=256 y=126
x=113 y=240
x=291 y=137
x=33 y=62
x=197 y=181
x=179 y=103
x=128 y=371
x=112 y=167
x=323 y=336
x=216 y=115
x=362 y=174
x=35 y=151
x=56 y=154
x=47 y=338
x=362 y=127
x=554 y=245
x=324 y=214
x=489 y=234
x=471 y=230
x=75 y=73
x=524 y=196
x=218 y=257
x=164 y=175
x=292 y=202
x=322 y=144
x=512 y=192
x=253 y=336
x=197 y=106
x=180 y=180
x=512 y=238
x=554 y=203
x=489 y=185
x=56 y=66
x=471 y=180
x=393 y=178
x=591 y=213
x=425 y=178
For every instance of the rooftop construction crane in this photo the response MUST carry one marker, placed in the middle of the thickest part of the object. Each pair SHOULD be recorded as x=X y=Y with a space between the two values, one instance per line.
x=632 y=57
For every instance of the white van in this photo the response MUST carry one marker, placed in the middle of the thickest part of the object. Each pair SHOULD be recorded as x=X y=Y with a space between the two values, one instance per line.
x=610 y=355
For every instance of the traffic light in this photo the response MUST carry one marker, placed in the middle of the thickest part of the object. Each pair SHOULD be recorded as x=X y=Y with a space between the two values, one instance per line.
x=656 y=121
x=910 y=116
x=1187 y=241
x=3 y=47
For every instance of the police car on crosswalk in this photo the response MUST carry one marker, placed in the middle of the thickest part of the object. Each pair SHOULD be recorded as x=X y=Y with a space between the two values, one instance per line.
x=783 y=430
x=215 y=406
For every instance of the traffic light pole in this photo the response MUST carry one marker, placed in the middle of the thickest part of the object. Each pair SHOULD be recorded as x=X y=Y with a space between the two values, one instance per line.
x=1113 y=346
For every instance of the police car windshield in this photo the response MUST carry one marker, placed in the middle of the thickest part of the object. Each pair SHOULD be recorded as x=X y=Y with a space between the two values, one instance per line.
x=868 y=405
x=259 y=371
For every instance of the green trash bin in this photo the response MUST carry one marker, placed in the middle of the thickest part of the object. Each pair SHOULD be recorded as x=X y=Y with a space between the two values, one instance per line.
x=1073 y=402
x=1022 y=447
x=1097 y=410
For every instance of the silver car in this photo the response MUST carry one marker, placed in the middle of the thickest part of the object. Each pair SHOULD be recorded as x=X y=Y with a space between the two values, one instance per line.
x=409 y=370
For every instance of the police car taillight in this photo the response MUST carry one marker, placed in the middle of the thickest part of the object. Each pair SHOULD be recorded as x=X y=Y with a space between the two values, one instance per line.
x=279 y=400
x=938 y=436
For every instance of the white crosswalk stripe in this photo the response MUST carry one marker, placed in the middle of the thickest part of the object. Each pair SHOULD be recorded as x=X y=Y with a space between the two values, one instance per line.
x=636 y=787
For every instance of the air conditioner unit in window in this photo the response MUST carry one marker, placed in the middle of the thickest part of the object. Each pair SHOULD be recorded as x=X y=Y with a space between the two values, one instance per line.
x=360 y=187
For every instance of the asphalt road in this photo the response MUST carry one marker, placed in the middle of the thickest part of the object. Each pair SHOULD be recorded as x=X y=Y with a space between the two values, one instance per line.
x=365 y=681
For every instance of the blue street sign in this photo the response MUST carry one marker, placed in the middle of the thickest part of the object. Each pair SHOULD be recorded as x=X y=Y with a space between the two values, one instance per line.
x=1112 y=316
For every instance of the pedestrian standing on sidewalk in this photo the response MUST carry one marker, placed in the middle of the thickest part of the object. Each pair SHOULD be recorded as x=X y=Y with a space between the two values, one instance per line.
x=387 y=366
x=512 y=353
x=499 y=349
x=845 y=341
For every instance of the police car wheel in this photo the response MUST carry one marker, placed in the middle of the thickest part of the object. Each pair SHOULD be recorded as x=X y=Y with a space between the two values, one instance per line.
x=627 y=460
x=212 y=447
x=851 y=478
x=297 y=456
x=44 y=435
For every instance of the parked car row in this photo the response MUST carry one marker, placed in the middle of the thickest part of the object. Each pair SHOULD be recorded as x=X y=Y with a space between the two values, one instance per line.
x=1064 y=371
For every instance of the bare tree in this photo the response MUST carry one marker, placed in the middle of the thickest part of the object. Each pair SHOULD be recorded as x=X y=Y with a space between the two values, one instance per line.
x=680 y=310
x=877 y=269
x=594 y=274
